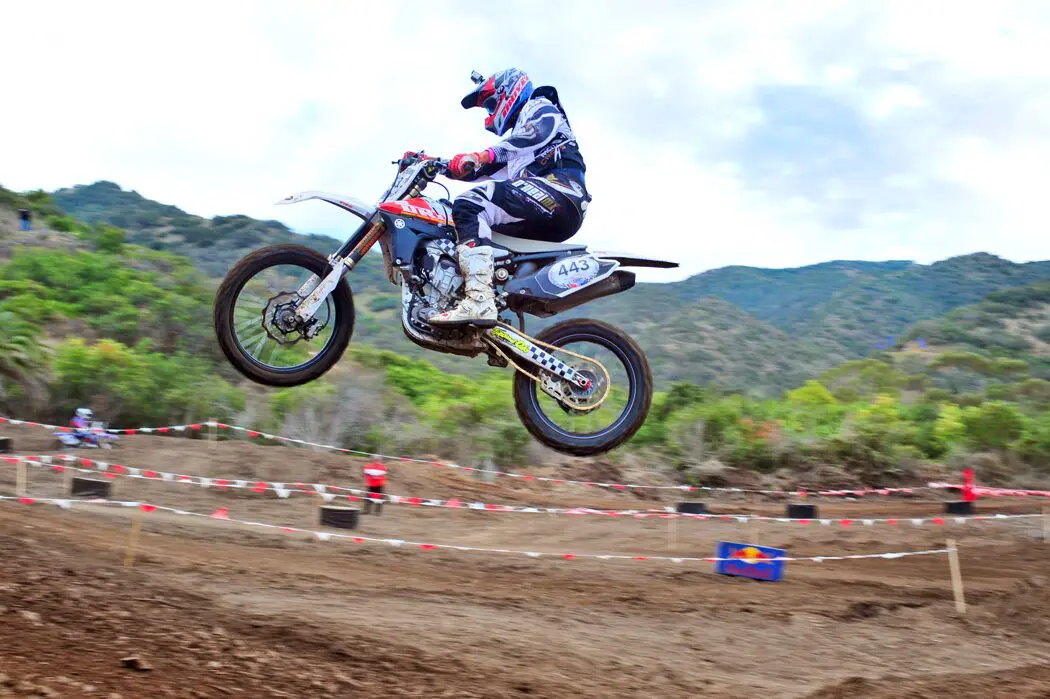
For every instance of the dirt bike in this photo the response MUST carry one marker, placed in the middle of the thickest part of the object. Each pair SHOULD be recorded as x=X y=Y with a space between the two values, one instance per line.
x=278 y=300
x=93 y=437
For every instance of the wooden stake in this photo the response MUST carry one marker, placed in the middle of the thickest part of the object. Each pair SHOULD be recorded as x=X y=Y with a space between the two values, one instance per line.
x=213 y=436
x=957 y=583
x=67 y=481
x=1046 y=525
x=20 y=478
x=672 y=532
x=133 y=540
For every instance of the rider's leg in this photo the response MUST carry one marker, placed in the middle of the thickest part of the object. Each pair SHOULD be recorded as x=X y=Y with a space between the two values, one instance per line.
x=474 y=213
x=529 y=207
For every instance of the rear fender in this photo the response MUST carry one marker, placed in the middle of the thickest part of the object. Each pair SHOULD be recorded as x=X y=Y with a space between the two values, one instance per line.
x=628 y=260
x=351 y=204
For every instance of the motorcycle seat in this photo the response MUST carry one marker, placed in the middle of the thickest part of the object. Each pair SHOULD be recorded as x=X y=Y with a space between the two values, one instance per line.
x=525 y=246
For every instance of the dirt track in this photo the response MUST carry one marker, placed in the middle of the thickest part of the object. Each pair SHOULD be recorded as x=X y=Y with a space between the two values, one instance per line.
x=219 y=610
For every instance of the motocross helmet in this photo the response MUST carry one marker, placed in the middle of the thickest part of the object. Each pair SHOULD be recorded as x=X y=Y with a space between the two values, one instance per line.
x=85 y=413
x=502 y=95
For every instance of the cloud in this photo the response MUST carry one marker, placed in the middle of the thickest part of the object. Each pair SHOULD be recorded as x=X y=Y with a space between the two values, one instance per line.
x=751 y=132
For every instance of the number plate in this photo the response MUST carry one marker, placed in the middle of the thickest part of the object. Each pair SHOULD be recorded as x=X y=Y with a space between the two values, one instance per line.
x=572 y=272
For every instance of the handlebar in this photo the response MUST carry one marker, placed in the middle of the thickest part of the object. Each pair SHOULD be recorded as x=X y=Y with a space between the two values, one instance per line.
x=411 y=158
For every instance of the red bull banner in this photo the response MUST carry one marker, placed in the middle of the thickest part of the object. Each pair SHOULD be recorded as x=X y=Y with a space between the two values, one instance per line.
x=750 y=561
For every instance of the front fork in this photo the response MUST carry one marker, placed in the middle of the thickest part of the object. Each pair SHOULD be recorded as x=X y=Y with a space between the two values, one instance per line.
x=342 y=261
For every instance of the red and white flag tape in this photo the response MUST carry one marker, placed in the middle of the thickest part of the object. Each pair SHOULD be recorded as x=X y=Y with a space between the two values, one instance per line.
x=330 y=493
x=990 y=492
x=426 y=546
x=194 y=427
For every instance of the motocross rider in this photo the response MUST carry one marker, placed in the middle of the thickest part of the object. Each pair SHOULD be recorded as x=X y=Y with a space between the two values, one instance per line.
x=82 y=419
x=534 y=189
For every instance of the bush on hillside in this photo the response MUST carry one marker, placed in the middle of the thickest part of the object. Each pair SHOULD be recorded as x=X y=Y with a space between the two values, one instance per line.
x=137 y=386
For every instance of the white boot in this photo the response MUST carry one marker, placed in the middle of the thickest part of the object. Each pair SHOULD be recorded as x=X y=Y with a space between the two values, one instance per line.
x=479 y=302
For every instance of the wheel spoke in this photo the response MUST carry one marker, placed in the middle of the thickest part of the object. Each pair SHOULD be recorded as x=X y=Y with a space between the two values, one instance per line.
x=253 y=324
x=272 y=348
x=258 y=348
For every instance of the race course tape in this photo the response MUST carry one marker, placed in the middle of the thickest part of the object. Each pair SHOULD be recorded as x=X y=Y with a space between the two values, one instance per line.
x=988 y=492
x=196 y=427
x=324 y=491
x=425 y=546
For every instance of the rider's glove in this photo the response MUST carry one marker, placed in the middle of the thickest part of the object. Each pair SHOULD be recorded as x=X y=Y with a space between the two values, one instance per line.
x=466 y=164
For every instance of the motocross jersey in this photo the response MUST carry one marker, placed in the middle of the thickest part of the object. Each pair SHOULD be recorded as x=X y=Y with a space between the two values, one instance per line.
x=541 y=142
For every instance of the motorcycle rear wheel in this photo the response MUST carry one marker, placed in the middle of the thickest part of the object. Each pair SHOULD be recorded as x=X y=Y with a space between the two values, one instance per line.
x=254 y=264
x=639 y=388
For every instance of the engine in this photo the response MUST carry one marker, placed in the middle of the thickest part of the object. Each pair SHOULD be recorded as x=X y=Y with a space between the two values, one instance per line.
x=435 y=289
x=440 y=275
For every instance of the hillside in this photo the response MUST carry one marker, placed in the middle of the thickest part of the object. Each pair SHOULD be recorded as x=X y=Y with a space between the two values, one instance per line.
x=93 y=320
x=843 y=310
x=750 y=329
x=717 y=342
x=1013 y=323
x=212 y=244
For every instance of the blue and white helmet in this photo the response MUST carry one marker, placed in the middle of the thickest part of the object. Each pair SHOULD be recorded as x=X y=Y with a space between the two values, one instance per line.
x=85 y=413
x=502 y=95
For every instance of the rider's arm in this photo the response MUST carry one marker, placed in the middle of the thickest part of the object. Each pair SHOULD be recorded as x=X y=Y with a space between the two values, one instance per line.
x=527 y=138
x=487 y=171
x=530 y=136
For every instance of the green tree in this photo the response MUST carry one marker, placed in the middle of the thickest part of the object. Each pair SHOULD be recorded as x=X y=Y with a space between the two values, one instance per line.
x=993 y=425
x=1034 y=446
x=813 y=393
x=109 y=240
x=138 y=386
x=862 y=379
x=949 y=428
x=23 y=358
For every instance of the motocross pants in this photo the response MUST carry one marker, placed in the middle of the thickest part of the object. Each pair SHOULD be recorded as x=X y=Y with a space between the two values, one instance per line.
x=549 y=208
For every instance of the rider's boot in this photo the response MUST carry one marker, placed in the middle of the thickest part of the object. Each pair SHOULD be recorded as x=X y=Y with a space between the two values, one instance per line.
x=478 y=306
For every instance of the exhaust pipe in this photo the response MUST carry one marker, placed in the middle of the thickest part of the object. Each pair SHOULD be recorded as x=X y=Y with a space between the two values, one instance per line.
x=620 y=280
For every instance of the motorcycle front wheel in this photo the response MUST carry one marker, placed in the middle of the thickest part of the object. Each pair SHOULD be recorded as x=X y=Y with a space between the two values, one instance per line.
x=254 y=317
x=614 y=421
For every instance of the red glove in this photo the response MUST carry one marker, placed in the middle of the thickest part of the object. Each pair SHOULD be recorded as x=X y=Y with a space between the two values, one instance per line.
x=465 y=164
x=410 y=154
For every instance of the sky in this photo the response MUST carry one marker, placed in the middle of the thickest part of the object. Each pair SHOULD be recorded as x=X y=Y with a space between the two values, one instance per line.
x=739 y=132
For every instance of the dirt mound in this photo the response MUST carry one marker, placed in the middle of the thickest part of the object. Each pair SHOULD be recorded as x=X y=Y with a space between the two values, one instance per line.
x=74 y=628
x=1025 y=683
x=1026 y=609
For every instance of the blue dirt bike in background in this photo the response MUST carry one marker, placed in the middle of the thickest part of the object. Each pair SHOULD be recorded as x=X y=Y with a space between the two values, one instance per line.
x=94 y=437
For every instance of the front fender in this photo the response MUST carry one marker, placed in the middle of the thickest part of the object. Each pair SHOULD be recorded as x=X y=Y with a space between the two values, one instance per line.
x=351 y=204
